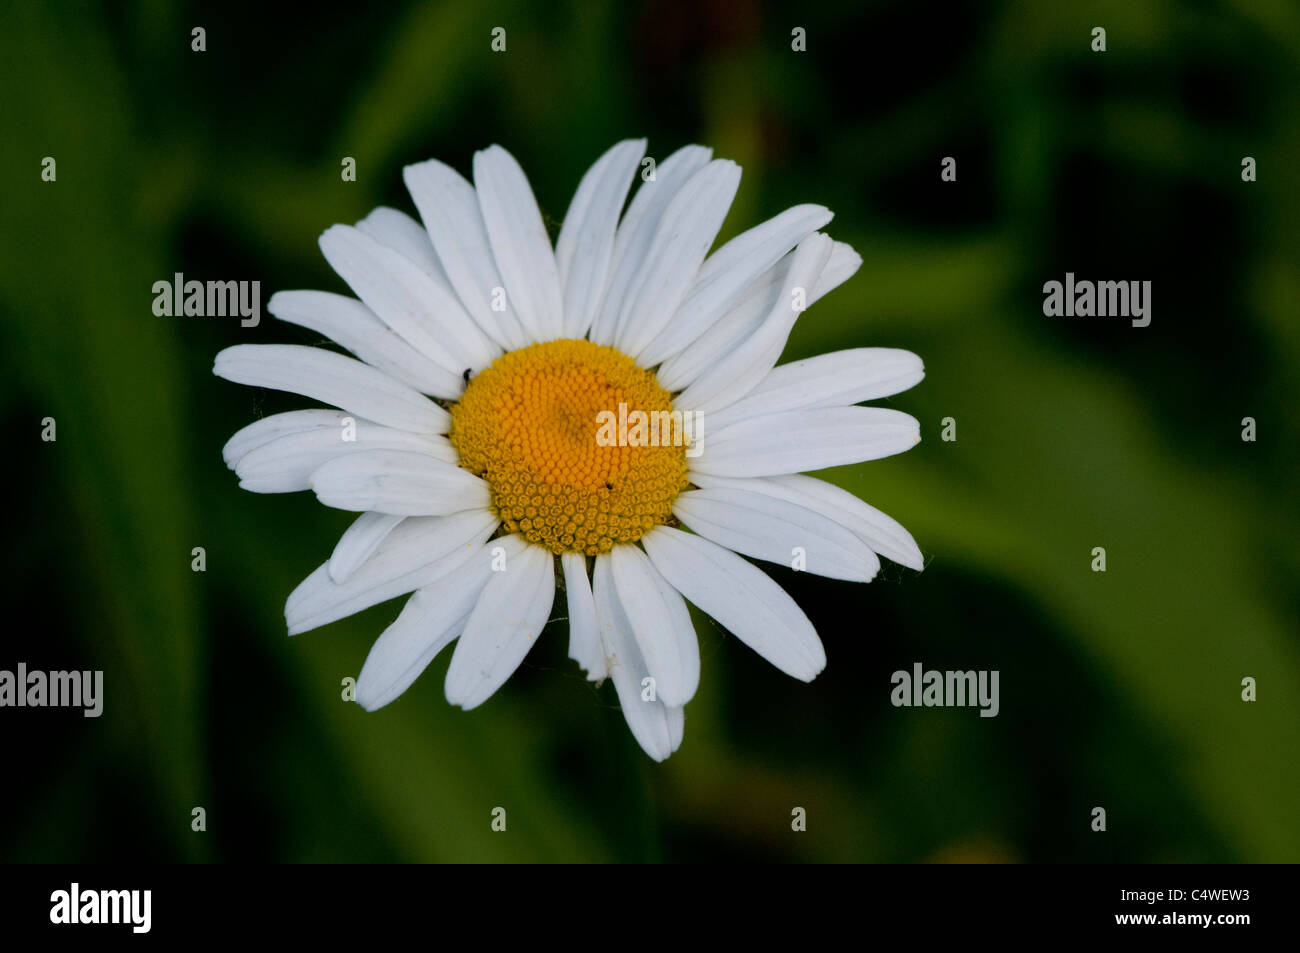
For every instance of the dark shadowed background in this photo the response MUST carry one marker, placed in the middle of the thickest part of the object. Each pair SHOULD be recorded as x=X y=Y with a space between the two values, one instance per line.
x=1120 y=690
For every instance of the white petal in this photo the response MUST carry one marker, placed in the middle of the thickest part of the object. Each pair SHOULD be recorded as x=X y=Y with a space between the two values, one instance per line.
x=586 y=244
x=285 y=465
x=729 y=272
x=431 y=619
x=726 y=334
x=585 y=646
x=843 y=265
x=261 y=432
x=662 y=625
x=415 y=554
x=768 y=528
x=741 y=597
x=676 y=719
x=353 y=325
x=334 y=379
x=746 y=317
x=637 y=230
x=398 y=482
x=736 y=374
x=404 y=235
x=359 y=542
x=656 y=727
x=520 y=244
x=509 y=616
x=682 y=238
x=828 y=380
x=409 y=300
x=882 y=533
x=449 y=208
x=799 y=440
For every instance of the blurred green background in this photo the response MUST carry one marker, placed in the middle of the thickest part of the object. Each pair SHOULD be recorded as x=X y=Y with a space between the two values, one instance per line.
x=1119 y=690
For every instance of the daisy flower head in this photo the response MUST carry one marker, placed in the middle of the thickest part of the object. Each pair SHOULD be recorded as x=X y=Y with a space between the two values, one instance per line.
x=605 y=416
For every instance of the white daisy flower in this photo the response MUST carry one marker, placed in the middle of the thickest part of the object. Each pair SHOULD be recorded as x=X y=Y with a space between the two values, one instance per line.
x=466 y=432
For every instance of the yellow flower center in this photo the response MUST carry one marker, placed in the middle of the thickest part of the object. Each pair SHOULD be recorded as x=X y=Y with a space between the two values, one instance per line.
x=536 y=425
